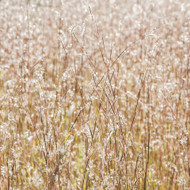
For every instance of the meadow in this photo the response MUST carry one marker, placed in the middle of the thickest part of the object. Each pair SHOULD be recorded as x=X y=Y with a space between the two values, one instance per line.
x=95 y=94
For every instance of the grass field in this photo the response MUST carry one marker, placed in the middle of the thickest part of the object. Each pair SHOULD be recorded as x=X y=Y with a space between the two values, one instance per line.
x=95 y=94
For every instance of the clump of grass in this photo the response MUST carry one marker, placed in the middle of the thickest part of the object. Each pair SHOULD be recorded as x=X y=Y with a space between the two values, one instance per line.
x=94 y=95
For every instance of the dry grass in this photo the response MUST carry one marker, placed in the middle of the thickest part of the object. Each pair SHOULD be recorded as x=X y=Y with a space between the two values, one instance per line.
x=95 y=94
